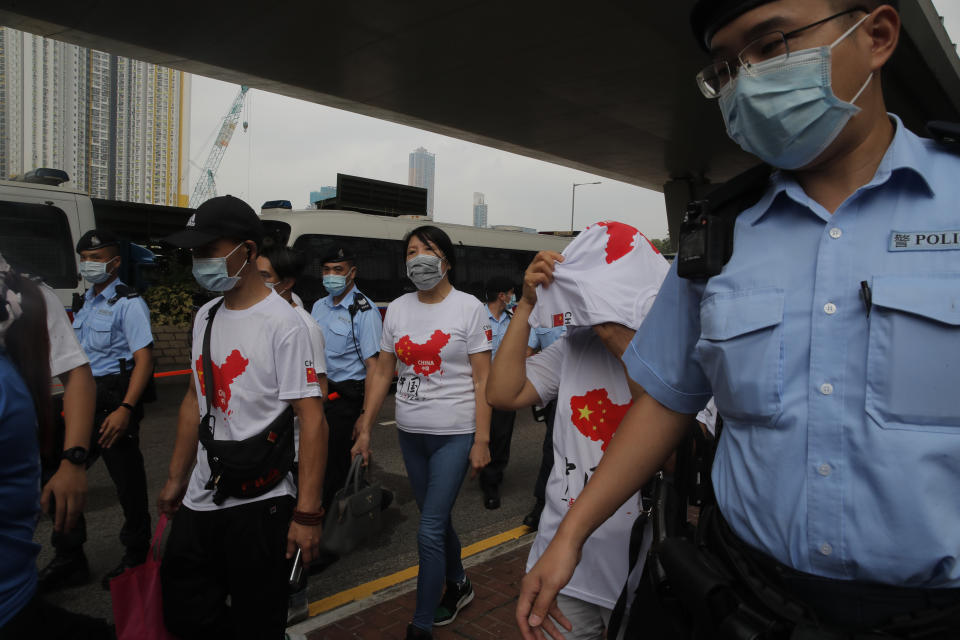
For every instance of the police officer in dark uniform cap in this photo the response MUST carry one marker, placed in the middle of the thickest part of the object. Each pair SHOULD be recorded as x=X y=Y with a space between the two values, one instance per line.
x=351 y=326
x=830 y=340
x=113 y=327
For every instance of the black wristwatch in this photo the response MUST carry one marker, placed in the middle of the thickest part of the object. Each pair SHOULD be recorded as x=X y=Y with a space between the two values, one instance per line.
x=76 y=455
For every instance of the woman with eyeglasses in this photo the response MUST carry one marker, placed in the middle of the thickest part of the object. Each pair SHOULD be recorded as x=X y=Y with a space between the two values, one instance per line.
x=438 y=340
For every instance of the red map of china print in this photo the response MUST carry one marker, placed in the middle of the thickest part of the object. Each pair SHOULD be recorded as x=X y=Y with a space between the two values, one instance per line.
x=620 y=239
x=424 y=358
x=596 y=417
x=223 y=377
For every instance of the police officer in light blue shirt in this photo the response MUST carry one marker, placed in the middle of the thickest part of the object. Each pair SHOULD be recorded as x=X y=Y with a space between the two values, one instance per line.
x=351 y=325
x=830 y=340
x=113 y=328
x=500 y=299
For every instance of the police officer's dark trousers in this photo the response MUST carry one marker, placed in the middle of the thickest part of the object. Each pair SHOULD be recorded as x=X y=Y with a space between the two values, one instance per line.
x=125 y=464
x=546 y=456
x=240 y=552
x=342 y=414
x=501 y=433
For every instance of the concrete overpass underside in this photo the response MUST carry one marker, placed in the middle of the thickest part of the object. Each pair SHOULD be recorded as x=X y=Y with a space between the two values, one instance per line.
x=606 y=86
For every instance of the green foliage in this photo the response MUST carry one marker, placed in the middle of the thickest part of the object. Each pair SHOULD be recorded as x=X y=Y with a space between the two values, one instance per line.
x=663 y=245
x=171 y=304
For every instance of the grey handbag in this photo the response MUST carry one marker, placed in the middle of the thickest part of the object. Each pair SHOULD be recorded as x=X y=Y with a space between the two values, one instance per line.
x=354 y=514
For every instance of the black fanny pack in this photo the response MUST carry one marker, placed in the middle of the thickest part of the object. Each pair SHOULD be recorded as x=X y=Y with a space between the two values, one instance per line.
x=243 y=468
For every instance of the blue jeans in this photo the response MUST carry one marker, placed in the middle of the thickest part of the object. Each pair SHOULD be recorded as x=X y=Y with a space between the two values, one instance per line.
x=436 y=466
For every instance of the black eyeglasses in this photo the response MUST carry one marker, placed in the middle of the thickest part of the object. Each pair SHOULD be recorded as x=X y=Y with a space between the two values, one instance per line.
x=771 y=45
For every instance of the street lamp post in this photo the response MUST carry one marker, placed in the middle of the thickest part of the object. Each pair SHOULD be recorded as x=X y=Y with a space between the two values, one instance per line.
x=573 y=199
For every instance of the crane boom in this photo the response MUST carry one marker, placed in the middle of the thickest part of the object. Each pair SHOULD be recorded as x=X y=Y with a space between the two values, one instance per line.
x=206 y=188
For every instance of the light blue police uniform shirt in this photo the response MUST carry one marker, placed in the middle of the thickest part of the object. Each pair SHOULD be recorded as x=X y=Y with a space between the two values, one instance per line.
x=334 y=320
x=108 y=332
x=543 y=337
x=498 y=329
x=840 y=454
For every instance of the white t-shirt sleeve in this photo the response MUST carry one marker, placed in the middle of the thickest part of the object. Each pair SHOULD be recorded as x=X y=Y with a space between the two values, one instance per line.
x=316 y=339
x=293 y=379
x=543 y=370
x=479 y=336
x=65 y=351
x=387 y=337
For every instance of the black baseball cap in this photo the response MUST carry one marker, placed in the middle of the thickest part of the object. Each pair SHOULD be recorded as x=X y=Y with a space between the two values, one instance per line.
x=221 y=217
x=97 y=239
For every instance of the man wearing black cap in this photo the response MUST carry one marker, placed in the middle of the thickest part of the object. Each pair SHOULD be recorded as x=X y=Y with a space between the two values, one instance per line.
x=351 y=326
x=113 y=327
x=239 y=514
x=826 y=341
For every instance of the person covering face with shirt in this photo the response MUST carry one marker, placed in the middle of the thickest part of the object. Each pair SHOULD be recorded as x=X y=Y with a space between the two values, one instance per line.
x=500 y=301
x=351 y=326
x=438 y=341
x=234 y=547
x=829 y=339
x=584 y=374
x=113 y=328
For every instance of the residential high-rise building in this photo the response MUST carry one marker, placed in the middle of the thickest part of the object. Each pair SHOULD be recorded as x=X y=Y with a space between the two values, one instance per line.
x=323 y=194
x=423 y=166
x=118 y=127
x=479 y=211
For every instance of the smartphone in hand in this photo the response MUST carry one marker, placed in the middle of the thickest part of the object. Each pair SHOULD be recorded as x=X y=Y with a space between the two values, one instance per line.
x=296 y=571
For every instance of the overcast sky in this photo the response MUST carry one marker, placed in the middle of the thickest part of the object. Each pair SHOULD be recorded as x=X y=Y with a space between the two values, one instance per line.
x=293 y=147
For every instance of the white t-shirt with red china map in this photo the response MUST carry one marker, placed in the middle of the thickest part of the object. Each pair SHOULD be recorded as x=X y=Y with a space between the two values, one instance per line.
x=260 y=357
x=432 y=343
x=591 y=388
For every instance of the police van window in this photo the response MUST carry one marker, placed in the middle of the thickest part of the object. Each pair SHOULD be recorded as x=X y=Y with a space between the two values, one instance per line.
x=476 y=265
x=275 y=233
x=35 y=238
x=379 y=262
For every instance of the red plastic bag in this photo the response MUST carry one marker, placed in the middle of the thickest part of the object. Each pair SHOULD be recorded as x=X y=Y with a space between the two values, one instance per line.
x=137 y=601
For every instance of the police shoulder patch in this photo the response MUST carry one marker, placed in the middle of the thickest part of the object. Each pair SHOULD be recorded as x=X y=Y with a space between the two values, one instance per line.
x=123 y=291
x=361 y=302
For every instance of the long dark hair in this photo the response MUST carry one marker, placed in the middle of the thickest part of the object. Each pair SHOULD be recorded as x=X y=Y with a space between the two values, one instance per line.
x=28 y=346
x=430 y=235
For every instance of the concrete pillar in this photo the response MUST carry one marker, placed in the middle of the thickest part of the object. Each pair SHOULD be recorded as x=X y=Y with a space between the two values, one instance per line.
x=677 y=193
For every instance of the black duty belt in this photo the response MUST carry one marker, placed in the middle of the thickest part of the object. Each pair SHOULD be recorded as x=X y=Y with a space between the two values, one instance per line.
x=824 y=605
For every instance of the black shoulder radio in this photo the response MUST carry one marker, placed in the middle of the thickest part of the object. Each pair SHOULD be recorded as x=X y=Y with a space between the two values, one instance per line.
x=706 y=234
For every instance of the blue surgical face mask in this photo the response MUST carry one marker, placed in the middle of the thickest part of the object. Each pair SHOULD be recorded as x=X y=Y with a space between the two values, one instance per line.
x=212 y=274
x=95 y=272
x=512 y=302
x=425 y=271
x=334 y=284
x=273 y=285
x=784 y=110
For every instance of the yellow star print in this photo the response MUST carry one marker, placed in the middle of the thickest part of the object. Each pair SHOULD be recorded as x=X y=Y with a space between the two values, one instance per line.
x=585 y=413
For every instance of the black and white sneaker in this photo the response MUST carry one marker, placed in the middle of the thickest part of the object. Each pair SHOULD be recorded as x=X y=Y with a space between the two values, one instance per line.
x=455 y=598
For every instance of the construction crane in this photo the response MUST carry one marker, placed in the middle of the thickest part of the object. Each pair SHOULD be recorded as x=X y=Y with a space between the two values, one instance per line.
x=206 y=187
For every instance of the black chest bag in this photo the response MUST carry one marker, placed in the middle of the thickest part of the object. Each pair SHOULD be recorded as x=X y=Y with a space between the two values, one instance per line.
x=243 y=468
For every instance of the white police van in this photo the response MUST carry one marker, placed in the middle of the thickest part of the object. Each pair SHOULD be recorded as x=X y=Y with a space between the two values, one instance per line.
x=40 y=223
